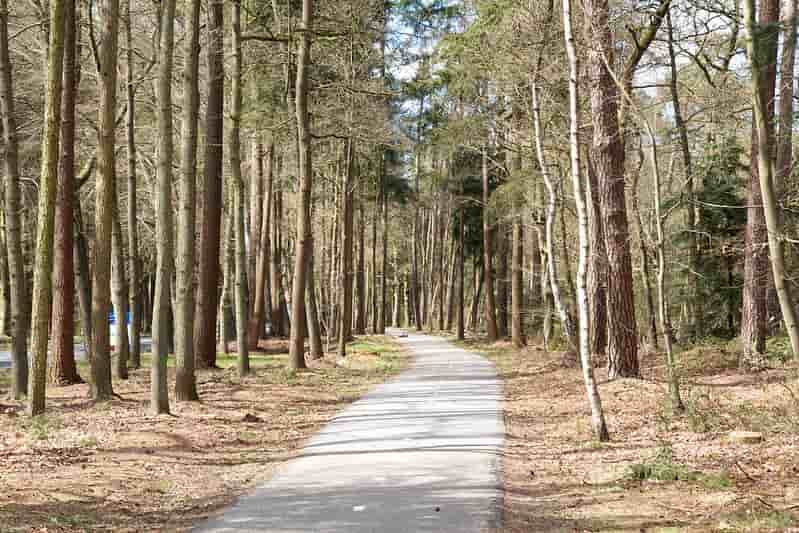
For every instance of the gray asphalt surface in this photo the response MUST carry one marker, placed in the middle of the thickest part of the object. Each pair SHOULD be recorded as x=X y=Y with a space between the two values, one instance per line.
x=420 y=453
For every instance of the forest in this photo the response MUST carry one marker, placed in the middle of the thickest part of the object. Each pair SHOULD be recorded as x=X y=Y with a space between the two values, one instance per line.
x=225 y=221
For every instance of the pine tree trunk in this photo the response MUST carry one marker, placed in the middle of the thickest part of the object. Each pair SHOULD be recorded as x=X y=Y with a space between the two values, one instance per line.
x=608 y=150
x=304 y=253
x=348 y=187
x=134 y=266
x=159 y=394
x=119 y=297
x=63 y=370
x=360 y=317
x=83 y=276
x=460 y=332
x=234 y=143
x=16 y=260
x=48 y=184
x=312 y=312
x=756 y=267
x=258 y=317
x=492 y=330
x=105 y=193
x=517 y=284
x=597 y=267
x=278 y=325
x=211 y=214
x=762 y=94
x=185 y=380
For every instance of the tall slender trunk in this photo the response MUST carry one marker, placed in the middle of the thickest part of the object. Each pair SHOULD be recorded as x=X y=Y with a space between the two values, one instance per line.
x=134 y=267
x=382 y=309
x=119 y=296
x=756 y=267
x=460 y=319
x=185 y=380
x=63 y=370
x=492 y=331
x=304 y=253
x=608 y=150
x=5 y=282
x=415 y=242
x=693 y=297
x=517 y=284
x=598 y=266
x=105 y=193
x=360 y=316
x=345 y=317
x=211 y=213
x=234 y=143
x=13 y=208
x=278 y=326
x=552 y=207
x=312 y=312
x=761 y=91
x=43 y=269
x=592 y=392
x=258 y=317
x=83 y=276
x=159 y=394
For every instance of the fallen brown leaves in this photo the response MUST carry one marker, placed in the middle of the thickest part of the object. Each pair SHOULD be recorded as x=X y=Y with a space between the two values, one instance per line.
x=114 y=467
x=558 y=479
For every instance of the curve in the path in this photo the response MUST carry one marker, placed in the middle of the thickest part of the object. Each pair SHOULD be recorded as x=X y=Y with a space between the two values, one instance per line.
x=419 y=453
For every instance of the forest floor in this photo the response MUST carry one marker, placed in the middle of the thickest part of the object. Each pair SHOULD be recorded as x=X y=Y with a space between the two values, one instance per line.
x=661 y=471
x=112 y=466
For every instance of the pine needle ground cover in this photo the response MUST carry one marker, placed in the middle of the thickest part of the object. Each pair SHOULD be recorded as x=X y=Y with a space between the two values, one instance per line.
x=660 y=472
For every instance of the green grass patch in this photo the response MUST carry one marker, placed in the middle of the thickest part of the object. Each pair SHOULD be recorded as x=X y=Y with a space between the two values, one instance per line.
x=663 y=467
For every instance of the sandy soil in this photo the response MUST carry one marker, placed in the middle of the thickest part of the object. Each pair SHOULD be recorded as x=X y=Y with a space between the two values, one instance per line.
x=114 y=467
x=558 y=479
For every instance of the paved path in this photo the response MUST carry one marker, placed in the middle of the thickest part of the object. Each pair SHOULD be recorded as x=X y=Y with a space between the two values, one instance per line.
x=420 y=453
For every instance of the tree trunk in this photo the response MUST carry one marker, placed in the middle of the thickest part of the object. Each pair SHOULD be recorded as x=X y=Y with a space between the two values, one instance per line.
x=517 y=284
x=234 y=142
x=312 y=312
x=304 y=254
x=762 y=94
x=492 y=330
x=185 y=380
x=258 y=317
x=211 y=213
x=608 y=150
x=105 y=193
x=5 y=282
x=382 y=310
x=84 y=278
x=460 y=334
x=13 y=208
x=597 y=267
x=159 y=394
x=552 y=207
x=119 y=296
x=693 y=297
x=592 y=392
x=63 y=370
x=43 y=269
x=756 y=267
x=278 y=326
x=503 y=252
x=133 y=231
x=345 y=318
x=360 y=317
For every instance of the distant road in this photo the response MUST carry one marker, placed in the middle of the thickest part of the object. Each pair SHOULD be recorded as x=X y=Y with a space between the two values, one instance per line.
x=80 y=352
